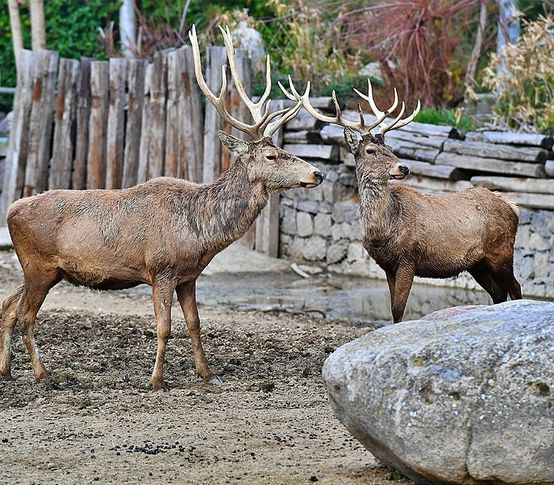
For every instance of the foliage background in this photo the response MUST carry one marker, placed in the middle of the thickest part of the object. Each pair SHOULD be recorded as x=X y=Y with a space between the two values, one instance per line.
x=318 y=40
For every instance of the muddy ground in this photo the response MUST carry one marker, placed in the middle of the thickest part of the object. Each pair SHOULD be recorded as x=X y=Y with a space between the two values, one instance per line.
x=94 y=418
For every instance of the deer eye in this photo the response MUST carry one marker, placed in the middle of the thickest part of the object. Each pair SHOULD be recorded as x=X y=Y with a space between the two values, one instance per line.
x=369 y=150
x=271 y=157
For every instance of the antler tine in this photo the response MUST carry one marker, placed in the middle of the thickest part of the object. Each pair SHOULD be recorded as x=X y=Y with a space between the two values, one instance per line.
x=380 y=115
x=218 y=102
x=255 y=108
x=397 y=122
x=405 y=121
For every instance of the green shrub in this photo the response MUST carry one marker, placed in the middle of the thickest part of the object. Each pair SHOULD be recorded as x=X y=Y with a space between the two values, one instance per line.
x=447 y=117
x=526 y=90
x=71 y=29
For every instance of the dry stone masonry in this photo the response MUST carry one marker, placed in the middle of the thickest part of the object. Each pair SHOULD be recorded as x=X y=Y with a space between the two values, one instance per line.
x=321 y=226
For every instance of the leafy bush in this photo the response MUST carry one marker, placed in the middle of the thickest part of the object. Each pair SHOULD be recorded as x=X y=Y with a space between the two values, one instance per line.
x=525 y=87
x=448 y=117
x=71 y=29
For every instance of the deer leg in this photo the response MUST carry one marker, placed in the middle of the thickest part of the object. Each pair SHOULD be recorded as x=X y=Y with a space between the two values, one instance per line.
x=9 y=319
x=484 y=277
x=37 y=285
x=504 y=276
x=404 y=278
x=186 y=293
x=391 y=280
x=162 y=296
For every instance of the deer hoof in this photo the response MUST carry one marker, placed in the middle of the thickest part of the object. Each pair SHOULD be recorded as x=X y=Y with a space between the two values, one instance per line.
x=215 y=381
x=41 y=375
x=159 y=385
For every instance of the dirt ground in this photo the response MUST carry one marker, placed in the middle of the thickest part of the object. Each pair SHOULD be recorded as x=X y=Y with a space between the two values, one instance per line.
x=94 y=418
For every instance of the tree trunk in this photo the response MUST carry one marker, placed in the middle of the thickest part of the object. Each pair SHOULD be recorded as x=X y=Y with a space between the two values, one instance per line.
x=508 y=30
x=128 y=28
x=15 y=23
x=476 y=53
x=37 y=25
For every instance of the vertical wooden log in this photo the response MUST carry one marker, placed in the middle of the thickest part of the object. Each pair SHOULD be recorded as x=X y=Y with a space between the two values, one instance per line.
x=192 y=117
x=81 y=137
x=64 y=126
x=40 y=127
x=98 y=122
x=142 y=174
x=15 y=24
x=156 y=145
x=38 y=36
x=137 y=73
x=216 y=57
x=116 y=123
x=267 y=224
x=18 y=143
x=174 y=137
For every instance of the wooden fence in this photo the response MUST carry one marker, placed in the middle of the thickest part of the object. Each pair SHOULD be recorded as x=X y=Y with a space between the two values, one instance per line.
x=112 y=124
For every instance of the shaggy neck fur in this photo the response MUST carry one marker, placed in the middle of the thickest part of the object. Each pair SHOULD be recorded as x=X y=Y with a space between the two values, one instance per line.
x=224 y=210
x=376 y=205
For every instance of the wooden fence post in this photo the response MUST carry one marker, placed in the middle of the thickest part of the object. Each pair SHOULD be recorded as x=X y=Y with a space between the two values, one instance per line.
x=79 y=177
x=174 y=127
x=156 y=146
x=116 y=123
x=142 y=173
x=137 y=73
x=64 y=129
x=215 y=58
x=267 y=224
x=192 y=117
x=98 y=122
x=40 y=124
x=18 y=143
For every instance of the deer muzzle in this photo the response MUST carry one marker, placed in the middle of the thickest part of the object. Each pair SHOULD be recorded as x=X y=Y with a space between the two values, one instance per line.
x=317 y=177
x=399 y=171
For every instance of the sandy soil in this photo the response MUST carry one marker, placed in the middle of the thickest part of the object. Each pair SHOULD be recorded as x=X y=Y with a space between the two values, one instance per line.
x=94 y=418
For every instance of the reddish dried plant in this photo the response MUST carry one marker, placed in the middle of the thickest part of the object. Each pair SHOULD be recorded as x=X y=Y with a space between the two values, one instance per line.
x=416 y=43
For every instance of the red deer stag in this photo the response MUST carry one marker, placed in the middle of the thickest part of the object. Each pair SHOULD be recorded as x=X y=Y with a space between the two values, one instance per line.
x=162 y=233
x=413 y=234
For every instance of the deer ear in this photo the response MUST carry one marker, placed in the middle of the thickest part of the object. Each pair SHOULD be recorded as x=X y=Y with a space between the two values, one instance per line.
x=232 y=143
x=351 y=137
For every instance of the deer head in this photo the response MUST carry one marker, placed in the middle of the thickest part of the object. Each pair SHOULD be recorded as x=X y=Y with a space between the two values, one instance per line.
x=265 y=163
x=373 y=156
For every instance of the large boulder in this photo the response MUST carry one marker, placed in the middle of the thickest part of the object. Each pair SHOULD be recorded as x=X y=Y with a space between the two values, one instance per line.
x=464 y=396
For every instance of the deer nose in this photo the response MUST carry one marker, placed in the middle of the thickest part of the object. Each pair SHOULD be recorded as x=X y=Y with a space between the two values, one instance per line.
x=319 y=177
x=404 y=169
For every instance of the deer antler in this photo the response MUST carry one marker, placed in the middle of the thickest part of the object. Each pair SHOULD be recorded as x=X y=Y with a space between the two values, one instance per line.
x=263 y=125
x=360 y=126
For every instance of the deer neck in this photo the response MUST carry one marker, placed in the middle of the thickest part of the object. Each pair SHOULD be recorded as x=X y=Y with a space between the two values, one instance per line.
x=376 y=206
x=229 y=206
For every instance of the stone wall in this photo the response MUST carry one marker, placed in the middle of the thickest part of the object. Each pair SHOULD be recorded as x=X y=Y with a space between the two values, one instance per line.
x=321 y=228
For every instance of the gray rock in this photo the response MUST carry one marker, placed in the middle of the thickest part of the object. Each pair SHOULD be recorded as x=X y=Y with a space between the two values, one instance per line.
x=314 y=248
x=288 y=225
x=355 y=251
x=322 y=224
x=308 y=206
x=325 y=207
x=340 y=231
x=463 y=396
x=337 y=252
x=536 y=241
x=304 y=224
x=345 y=212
